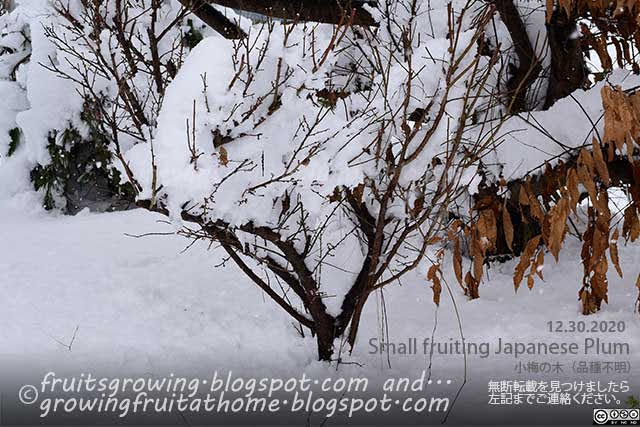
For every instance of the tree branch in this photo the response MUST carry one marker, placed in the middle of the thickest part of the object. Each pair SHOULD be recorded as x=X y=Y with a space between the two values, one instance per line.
x=568 y=69
x=267 y=289
x=529 y=66
x=324 y=11
x=214 y=18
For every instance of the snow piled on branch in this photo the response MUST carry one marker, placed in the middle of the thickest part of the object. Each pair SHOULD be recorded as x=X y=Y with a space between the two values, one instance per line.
x=262 y=101
x=526 y=141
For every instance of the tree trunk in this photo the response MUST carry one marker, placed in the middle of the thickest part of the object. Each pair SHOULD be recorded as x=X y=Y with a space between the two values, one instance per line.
x=327 y=328
x=324 y=338
x=568 y=70
x=528 y=67
x=324 y=326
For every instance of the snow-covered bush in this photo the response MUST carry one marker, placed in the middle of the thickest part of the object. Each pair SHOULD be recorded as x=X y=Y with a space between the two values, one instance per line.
x=120 y=56
x=80 y=174
x=15 y=51
x=324 y=159
x=95 y=81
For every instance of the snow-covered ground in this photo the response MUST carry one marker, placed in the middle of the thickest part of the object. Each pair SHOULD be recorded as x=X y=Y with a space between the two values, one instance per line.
x=81 y=295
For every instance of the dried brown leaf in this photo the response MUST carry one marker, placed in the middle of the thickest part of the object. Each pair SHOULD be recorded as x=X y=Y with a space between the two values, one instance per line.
x=437 y=290
x=223 y=156
x=613 y=251
x=600 y=164
x=457 y=262
x=507 y=225
x=525 y=260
